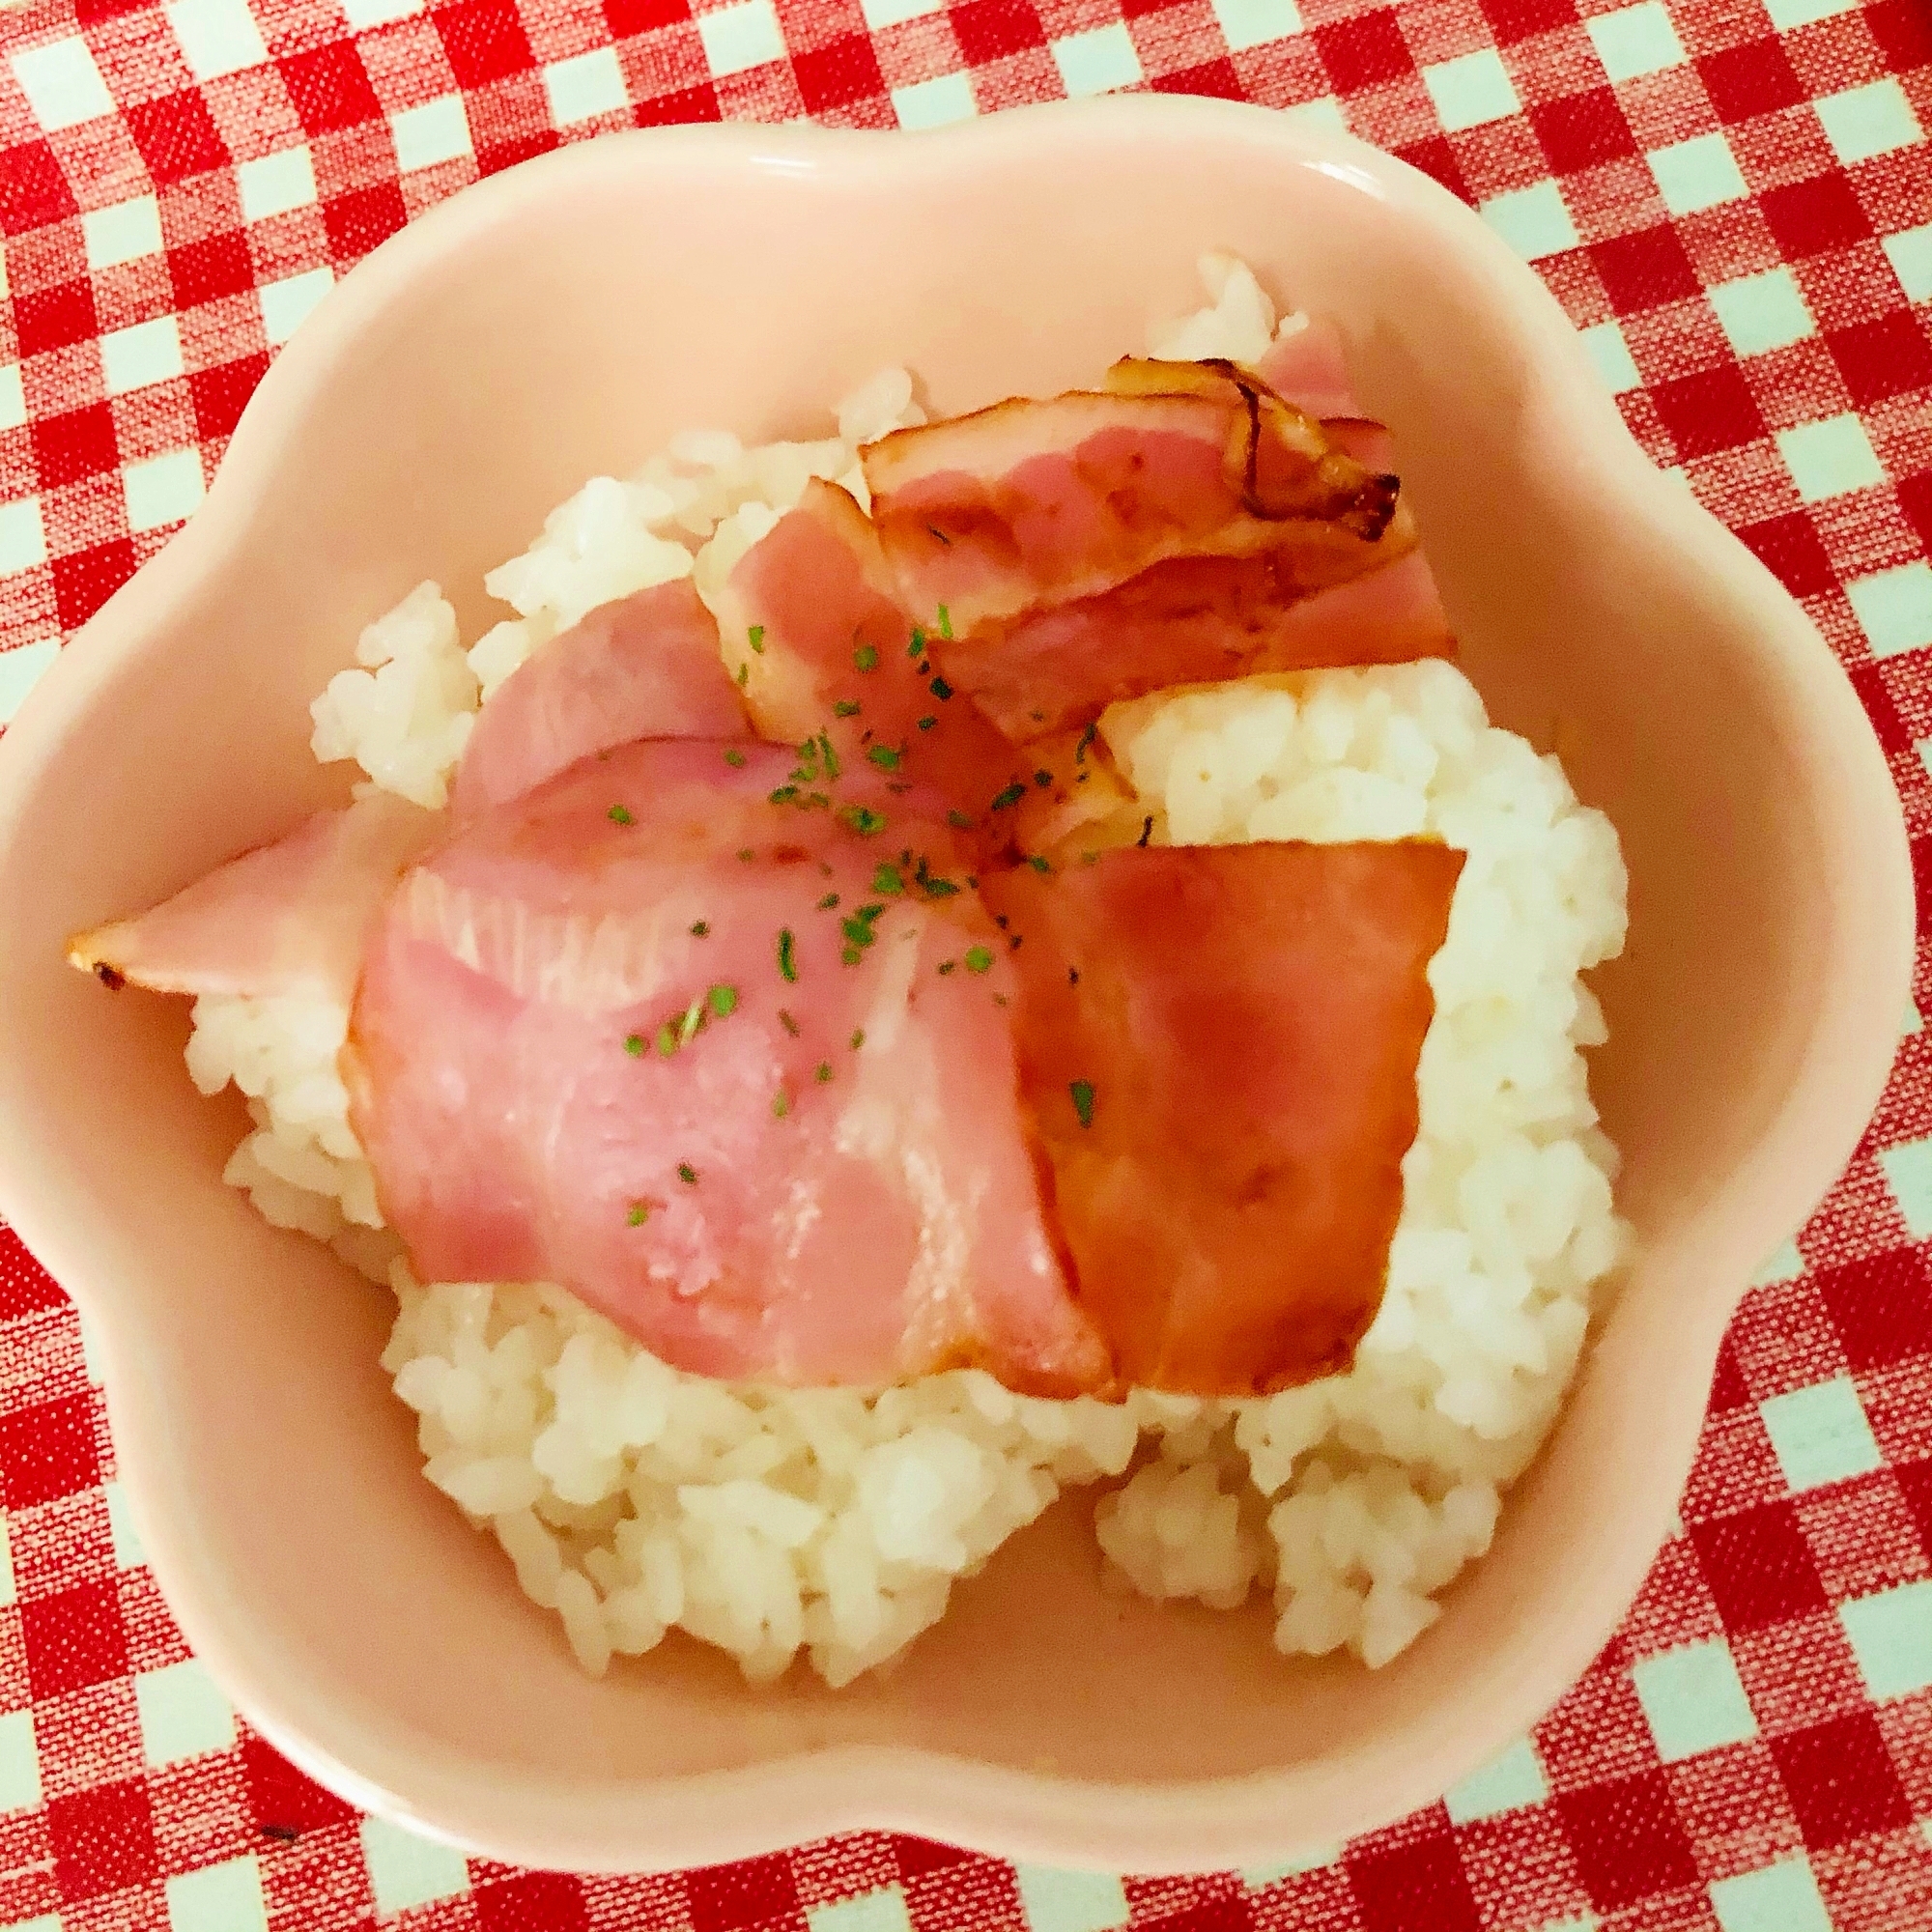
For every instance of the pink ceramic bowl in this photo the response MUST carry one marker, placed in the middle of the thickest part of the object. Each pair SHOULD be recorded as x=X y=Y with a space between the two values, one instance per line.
x=561 y=320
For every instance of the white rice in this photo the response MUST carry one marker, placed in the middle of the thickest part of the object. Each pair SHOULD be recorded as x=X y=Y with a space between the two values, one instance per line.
x=632 y=1499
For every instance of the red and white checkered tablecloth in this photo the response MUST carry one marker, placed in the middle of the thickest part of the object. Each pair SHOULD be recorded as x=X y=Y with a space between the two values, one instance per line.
x=1733 y=198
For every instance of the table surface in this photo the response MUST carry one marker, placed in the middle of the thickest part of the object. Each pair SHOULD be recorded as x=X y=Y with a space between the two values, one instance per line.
x=1733 y=202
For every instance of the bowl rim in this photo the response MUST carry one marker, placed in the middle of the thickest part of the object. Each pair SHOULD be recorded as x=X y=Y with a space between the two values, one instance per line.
x=683 y=1820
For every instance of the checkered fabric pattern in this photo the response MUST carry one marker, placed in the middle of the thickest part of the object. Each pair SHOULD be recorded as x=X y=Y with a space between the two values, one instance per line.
x=1734 y=201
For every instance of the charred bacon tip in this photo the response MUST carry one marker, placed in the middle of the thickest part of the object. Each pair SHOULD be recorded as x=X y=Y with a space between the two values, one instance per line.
x=1369 y=514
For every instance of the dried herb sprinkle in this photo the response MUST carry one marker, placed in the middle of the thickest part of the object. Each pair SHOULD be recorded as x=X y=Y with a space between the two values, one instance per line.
x=787 y=964
x=1082 y=1091
x=620 y=815
x=978 y=960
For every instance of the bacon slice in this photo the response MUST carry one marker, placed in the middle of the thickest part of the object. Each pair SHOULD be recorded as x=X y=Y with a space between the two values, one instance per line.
x=996 y=511
x=1099 y=546
x=811 y=617
x=1078 y=800
x=1219 y=1046
x=643 y=666
x=1307 y=367
x=825 y=1179
x=287 y=918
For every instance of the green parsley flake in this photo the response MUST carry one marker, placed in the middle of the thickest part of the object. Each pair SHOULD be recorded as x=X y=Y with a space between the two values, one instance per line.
x=667 y=1039
x=787 y=965
x=940 y=689
x=699 y=928
x=824 y=1072
x=863 y=819
x=694 y=1019
x=755 y=638
x=783 y=795
x=1012 y=795
x=917 y=647
x=1038 y=864
x=746 y=853
x=618 y=815
x=858 y=1040
x=867 y=657
x=846 y=707
x=723 y=1001
x=1082 y=1091
x=927 y=724
x=858 y=929
x=781 y=1104
x=851 y=955
x=832 y=764
x=958 y=821
x=884 y=756
x=735 y=758
x=744 y=673
x=634 y=1044
x=978 y=960
x=1042 y=779
x=639 y=1214
x=945 y=623
x=687 y=1174
x=887 y=879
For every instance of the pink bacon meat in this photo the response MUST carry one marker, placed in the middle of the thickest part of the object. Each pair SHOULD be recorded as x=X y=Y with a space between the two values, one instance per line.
x=1102 y=545
x=643 y=666
x=735 y=1072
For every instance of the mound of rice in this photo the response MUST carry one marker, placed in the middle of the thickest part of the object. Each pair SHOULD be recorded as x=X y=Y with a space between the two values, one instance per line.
x=632 y=1499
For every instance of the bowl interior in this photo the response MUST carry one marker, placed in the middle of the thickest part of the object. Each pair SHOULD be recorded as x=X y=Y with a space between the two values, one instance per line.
x=562 y=331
